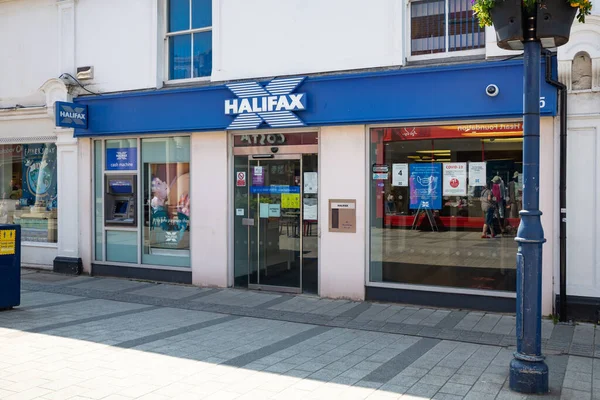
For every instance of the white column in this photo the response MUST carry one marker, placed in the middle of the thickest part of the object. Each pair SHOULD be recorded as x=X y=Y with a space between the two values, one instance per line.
x=68 y=196
x=209 y=223
x=86 y=201
x=549 y=170
x=66 y=36
x=342 y=256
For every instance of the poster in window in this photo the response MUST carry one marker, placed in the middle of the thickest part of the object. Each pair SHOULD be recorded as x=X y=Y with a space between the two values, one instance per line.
x=400 y=174
x=169 y=205
x=455 y=179
x=477 y=173
x=425 y=186
x=310 y=183
x=39 y=176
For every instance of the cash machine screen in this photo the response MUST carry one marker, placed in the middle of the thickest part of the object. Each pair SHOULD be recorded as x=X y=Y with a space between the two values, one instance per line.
x=121 y=207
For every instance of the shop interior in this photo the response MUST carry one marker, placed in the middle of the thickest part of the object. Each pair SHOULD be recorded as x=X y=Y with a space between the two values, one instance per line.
x=446 y=245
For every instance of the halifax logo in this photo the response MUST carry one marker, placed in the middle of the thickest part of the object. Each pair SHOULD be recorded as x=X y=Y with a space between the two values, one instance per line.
x=70 y=115
x=273 y=104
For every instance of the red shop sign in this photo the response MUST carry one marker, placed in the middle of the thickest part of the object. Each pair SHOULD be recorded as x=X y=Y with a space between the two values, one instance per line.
x=505 y=129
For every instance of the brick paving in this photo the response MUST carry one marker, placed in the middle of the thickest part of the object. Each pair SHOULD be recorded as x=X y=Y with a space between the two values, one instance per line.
x=104 y=338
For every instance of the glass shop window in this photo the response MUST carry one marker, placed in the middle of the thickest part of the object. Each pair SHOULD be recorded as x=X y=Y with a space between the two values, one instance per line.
x=444 y=205
x=166 y=200
x=28 y=190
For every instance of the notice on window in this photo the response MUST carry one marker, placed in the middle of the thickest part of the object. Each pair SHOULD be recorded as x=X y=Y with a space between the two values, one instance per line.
x=290 y=200
x=380 y=176
x=274 y=210
x=400 y=175
x=258 y=177
x=7 y=241
x=264 y=210
x=425 y=186
x=477 y=174
x=310 y=182
x=309 y=209
x=455 y=179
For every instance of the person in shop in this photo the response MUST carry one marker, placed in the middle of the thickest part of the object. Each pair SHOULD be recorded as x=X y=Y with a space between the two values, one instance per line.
x=513 y=192
x=499 y=192
x=14 y=190
x=488 y=206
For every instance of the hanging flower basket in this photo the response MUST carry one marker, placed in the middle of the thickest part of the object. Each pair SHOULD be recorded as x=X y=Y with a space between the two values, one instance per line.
x=553 y=19
x=507 y=17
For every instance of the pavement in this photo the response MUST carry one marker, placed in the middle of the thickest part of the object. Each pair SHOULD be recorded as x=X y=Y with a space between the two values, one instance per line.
x=103 y=338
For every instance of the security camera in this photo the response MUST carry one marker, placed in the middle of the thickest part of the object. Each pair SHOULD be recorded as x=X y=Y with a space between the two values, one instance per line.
x=492 y=90
x=274 y=149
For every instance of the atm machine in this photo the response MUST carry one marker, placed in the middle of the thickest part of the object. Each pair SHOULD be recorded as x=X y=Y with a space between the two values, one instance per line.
x=120 y=200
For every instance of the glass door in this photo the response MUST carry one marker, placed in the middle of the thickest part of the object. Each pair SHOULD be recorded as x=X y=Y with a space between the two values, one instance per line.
x=275 y=234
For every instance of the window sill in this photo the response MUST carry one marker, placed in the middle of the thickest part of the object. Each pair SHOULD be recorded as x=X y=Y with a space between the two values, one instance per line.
x=443 y=289
x=457 y=57
x=584 y=91
x=40 y=244
x=187 y=82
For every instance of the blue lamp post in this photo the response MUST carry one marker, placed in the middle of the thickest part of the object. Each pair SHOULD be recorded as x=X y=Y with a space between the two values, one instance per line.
x=528 y=371
x=546 y=23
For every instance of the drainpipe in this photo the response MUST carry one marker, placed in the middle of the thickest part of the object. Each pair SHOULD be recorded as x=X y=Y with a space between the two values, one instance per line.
x=562 y=184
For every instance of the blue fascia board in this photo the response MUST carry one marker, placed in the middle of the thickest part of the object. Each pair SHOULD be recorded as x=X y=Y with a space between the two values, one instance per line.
x=408 y=95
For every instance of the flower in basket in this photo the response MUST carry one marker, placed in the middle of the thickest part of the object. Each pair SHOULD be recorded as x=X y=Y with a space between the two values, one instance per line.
x=584 y=8
x=482 y=9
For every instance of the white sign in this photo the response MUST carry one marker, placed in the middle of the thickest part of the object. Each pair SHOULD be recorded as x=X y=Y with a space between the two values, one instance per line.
x=455 y=179
x=274 y=210
x=239 y=212
x=399 y=174
x=380 y=176
x=290 y=102
x=309 y=209
x=477 y=174
x=310 y=183
x=264 y=210
x=258 y=171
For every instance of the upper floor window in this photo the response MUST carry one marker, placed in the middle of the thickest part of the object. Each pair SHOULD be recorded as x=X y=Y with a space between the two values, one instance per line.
x=189 y=38
x=443 y=26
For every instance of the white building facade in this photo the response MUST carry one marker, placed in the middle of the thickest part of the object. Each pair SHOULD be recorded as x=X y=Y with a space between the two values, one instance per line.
x=339 y=149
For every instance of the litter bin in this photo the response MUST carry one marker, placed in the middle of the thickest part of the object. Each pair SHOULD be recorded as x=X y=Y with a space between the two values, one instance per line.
x=10 y=266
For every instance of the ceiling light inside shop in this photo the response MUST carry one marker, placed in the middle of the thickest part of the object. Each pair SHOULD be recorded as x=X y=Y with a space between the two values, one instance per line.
x=433 y=151
x=503 y=140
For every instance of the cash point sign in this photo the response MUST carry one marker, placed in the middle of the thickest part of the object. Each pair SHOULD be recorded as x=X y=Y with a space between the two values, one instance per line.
x=71 y=115
x=274 y=104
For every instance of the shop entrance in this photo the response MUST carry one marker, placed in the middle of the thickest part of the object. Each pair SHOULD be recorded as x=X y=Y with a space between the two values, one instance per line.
x=276 y=256
x=276 y=222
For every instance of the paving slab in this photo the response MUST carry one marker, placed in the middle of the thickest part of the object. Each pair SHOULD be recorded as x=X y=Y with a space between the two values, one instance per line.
x=111 y=338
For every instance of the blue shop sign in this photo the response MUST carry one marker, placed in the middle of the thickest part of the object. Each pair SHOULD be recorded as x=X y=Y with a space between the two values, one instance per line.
x=121 y=159
x=399 y=96
x=71 y=115
x=425 y=185
x=274 y=189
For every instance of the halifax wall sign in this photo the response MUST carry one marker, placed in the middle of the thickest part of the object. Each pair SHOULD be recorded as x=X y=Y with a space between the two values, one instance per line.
x=273 y=104
x=71 y=115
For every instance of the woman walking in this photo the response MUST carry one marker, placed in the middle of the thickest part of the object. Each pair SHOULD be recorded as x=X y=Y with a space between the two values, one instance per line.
x=488 y=208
